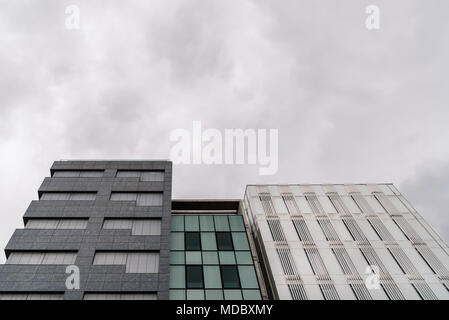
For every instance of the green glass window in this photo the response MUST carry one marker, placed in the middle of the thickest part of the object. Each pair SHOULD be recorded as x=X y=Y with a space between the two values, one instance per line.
x=230 y=277
x=192 y=223
x=251 y=295
x=193 y=257
x=240 y=241
x=177 y=241
x=210 y=257
x=244 y=257
x=221 y=223
x=194 y=276
x=177 y=277
x=207 y=223
x=177 y=223
x=232 y=295
x=177 y=257
x=177 y=294
x=208 y=241
x=248 y=277
x=212 y=278
x=195 y=294
x=214 y=294
x=193 y=241
x=224 y=241
x=236 y=223
x=227 y=257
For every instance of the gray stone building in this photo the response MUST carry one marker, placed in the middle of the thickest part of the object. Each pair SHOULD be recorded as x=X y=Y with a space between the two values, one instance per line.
x=111 y=219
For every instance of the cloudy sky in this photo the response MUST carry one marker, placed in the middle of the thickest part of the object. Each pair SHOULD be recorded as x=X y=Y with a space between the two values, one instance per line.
x=350 y=104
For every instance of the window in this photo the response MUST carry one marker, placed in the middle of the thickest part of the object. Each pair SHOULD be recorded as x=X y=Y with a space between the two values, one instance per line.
x=385 y=203
x=403 y=261
x=227 y=257
x=194 y=277
x=316 y=262
x=248 y=277
x=361 y=202
x=191 y=223
x=214 y=294
x=177 y=295
x=302 y=230
x=207 y=223
x=177 y=241
x=208 y=241
x=68 y=196
x=432 y=261
x=314 y=203
x=142 y=199
x=31 y=296
x=120 y=296
x=177 y=257
x=135 y=262
x=240 y=241
x=236 y=223
x=287 y=262
x=212 y=277
x=193 y=257
x=267 y=204
x=138 y=227
x=78 y=174
x=195 y=294
x=192 y=241
x=251 y=295
x=62 y=258
x=276 y=230
x=221 y=223
x=297 y=291
x=210 y=257
x=360 y=291
x=153 y=176
x=230 y=277
x=244 y=257
x=290 y=204
x=344 y=261
x=177 y=223
x=354 y=229
x=56 y=224
x=224 y=241
x=177 y=277
x=380 y=229
x=149 y=199
x=328 y=229
x=337 y=202
x=233 y=295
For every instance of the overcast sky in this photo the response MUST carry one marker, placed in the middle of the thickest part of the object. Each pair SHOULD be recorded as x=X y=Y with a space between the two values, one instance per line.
x=350 y=104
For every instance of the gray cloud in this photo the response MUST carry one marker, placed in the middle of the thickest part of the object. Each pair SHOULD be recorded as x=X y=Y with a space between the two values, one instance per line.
x=351 y=105
x=429 y=188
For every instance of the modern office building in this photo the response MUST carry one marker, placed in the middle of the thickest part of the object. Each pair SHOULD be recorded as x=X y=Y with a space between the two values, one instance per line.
x=111 y=219
x=212 y=257
x=115 y=224
x=362 y=241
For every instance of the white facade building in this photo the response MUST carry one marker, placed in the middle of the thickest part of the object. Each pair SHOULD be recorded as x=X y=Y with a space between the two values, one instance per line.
x=345 y=241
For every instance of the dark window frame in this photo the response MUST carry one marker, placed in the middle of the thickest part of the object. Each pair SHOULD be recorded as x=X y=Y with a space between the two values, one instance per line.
x=200 y=267
x=199 y=241
x=239 y=284
x=230 y=237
